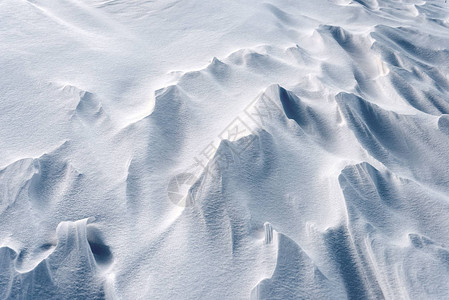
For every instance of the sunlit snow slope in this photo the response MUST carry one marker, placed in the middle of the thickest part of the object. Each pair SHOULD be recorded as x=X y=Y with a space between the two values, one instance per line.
x=224 y=149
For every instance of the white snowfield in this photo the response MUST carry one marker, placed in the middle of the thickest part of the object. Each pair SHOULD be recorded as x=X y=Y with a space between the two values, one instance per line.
x=224 y=149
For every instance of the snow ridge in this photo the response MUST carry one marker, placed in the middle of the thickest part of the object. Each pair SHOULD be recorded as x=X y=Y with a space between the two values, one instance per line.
x=201 y=150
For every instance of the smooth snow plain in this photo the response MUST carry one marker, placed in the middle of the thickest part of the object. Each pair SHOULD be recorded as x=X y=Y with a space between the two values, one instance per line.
x=224 y=149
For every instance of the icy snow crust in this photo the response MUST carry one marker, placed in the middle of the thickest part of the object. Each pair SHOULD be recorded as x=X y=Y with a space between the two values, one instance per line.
x=121 y=176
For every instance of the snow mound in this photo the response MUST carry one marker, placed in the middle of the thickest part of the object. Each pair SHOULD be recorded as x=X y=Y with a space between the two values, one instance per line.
x=276 y=150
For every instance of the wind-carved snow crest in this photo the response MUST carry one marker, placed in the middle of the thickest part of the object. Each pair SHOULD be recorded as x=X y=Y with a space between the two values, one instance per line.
x=196 y=150
x=78 y=251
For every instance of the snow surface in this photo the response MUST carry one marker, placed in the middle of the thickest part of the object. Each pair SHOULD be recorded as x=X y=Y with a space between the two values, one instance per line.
x=224 y=149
